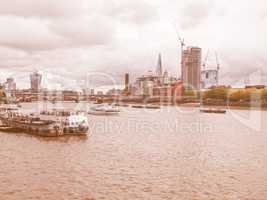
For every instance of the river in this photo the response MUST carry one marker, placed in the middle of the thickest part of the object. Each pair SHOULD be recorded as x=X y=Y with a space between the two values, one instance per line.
x=172 y=153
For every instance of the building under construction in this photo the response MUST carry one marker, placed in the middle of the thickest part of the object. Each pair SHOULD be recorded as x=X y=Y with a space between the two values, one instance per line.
x=191 y=68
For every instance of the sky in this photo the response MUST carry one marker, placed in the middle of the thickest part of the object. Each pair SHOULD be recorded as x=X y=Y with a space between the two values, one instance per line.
x=79 y=42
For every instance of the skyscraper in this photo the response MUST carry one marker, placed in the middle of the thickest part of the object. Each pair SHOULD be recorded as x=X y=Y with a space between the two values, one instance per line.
x=36 y=79
x=126 y=82
x=191 y=68
x=159 y=67
x=10 y=87
x=10 y=84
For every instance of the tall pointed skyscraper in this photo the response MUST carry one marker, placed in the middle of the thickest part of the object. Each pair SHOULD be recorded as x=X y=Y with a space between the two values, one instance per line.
x=159 y=67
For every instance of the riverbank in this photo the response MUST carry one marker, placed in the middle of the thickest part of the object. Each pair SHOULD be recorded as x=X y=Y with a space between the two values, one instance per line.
x=231 y=107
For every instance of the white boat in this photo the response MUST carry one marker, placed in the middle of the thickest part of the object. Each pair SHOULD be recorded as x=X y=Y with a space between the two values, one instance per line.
x=104 y=110
x=75 y=124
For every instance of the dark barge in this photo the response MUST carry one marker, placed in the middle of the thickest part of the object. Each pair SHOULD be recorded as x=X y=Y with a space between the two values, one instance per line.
x=17 y=122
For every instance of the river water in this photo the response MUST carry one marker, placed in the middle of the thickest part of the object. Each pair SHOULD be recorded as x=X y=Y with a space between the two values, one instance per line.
x=172 y=153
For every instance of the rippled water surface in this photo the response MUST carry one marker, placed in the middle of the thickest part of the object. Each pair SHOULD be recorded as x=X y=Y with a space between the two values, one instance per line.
x=159 y=154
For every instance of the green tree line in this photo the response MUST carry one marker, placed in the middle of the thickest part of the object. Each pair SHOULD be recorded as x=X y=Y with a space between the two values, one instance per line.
x=240 y=95
x=228 y=94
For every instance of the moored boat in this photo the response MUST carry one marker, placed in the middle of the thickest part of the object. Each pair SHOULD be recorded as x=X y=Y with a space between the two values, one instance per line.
x=151 y=106
x=55 y=112
x=212 y=110
x=104 y=110
x=121 y=104
x=137 y=106
x=75 y=124
x=124 y=105
x=9 y=107
x=17 y=122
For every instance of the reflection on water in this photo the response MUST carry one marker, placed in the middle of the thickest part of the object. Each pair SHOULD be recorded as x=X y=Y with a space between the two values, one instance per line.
x=163 y=154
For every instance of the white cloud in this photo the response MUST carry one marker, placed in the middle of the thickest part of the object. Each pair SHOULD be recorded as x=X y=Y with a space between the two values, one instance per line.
x=43 y=8
x=85 y=31
x=72 y=37
x=28 y=34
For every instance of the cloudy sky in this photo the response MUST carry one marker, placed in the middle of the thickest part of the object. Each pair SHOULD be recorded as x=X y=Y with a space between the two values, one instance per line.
x=67 y=40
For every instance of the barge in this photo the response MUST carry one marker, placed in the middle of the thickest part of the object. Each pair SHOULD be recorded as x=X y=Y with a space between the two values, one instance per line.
x=58 y=113
x=137 y=106
x=151 y=106
x=13 y=122
x=212 y=110
x=17 y=122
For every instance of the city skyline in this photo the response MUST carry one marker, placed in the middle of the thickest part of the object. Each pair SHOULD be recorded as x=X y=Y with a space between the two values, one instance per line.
x=133 y=99
x=52 y=37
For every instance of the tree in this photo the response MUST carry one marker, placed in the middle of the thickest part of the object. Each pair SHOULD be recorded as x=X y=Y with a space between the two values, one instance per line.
x=240 y=95
x=264 y=94
x=246 y=95
x=2 y=95
x=216 y=93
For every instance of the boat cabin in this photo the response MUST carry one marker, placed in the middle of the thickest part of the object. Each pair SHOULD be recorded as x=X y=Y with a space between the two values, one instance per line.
x=75 y=121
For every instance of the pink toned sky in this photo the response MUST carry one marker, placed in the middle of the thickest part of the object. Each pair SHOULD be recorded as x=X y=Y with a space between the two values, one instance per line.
x=66 y=39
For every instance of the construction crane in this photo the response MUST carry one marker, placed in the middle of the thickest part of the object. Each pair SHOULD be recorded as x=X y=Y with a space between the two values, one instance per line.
x=182 y=43
x=206 y=59
x=181 y=40
x=217 y=61
x=218 y=68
